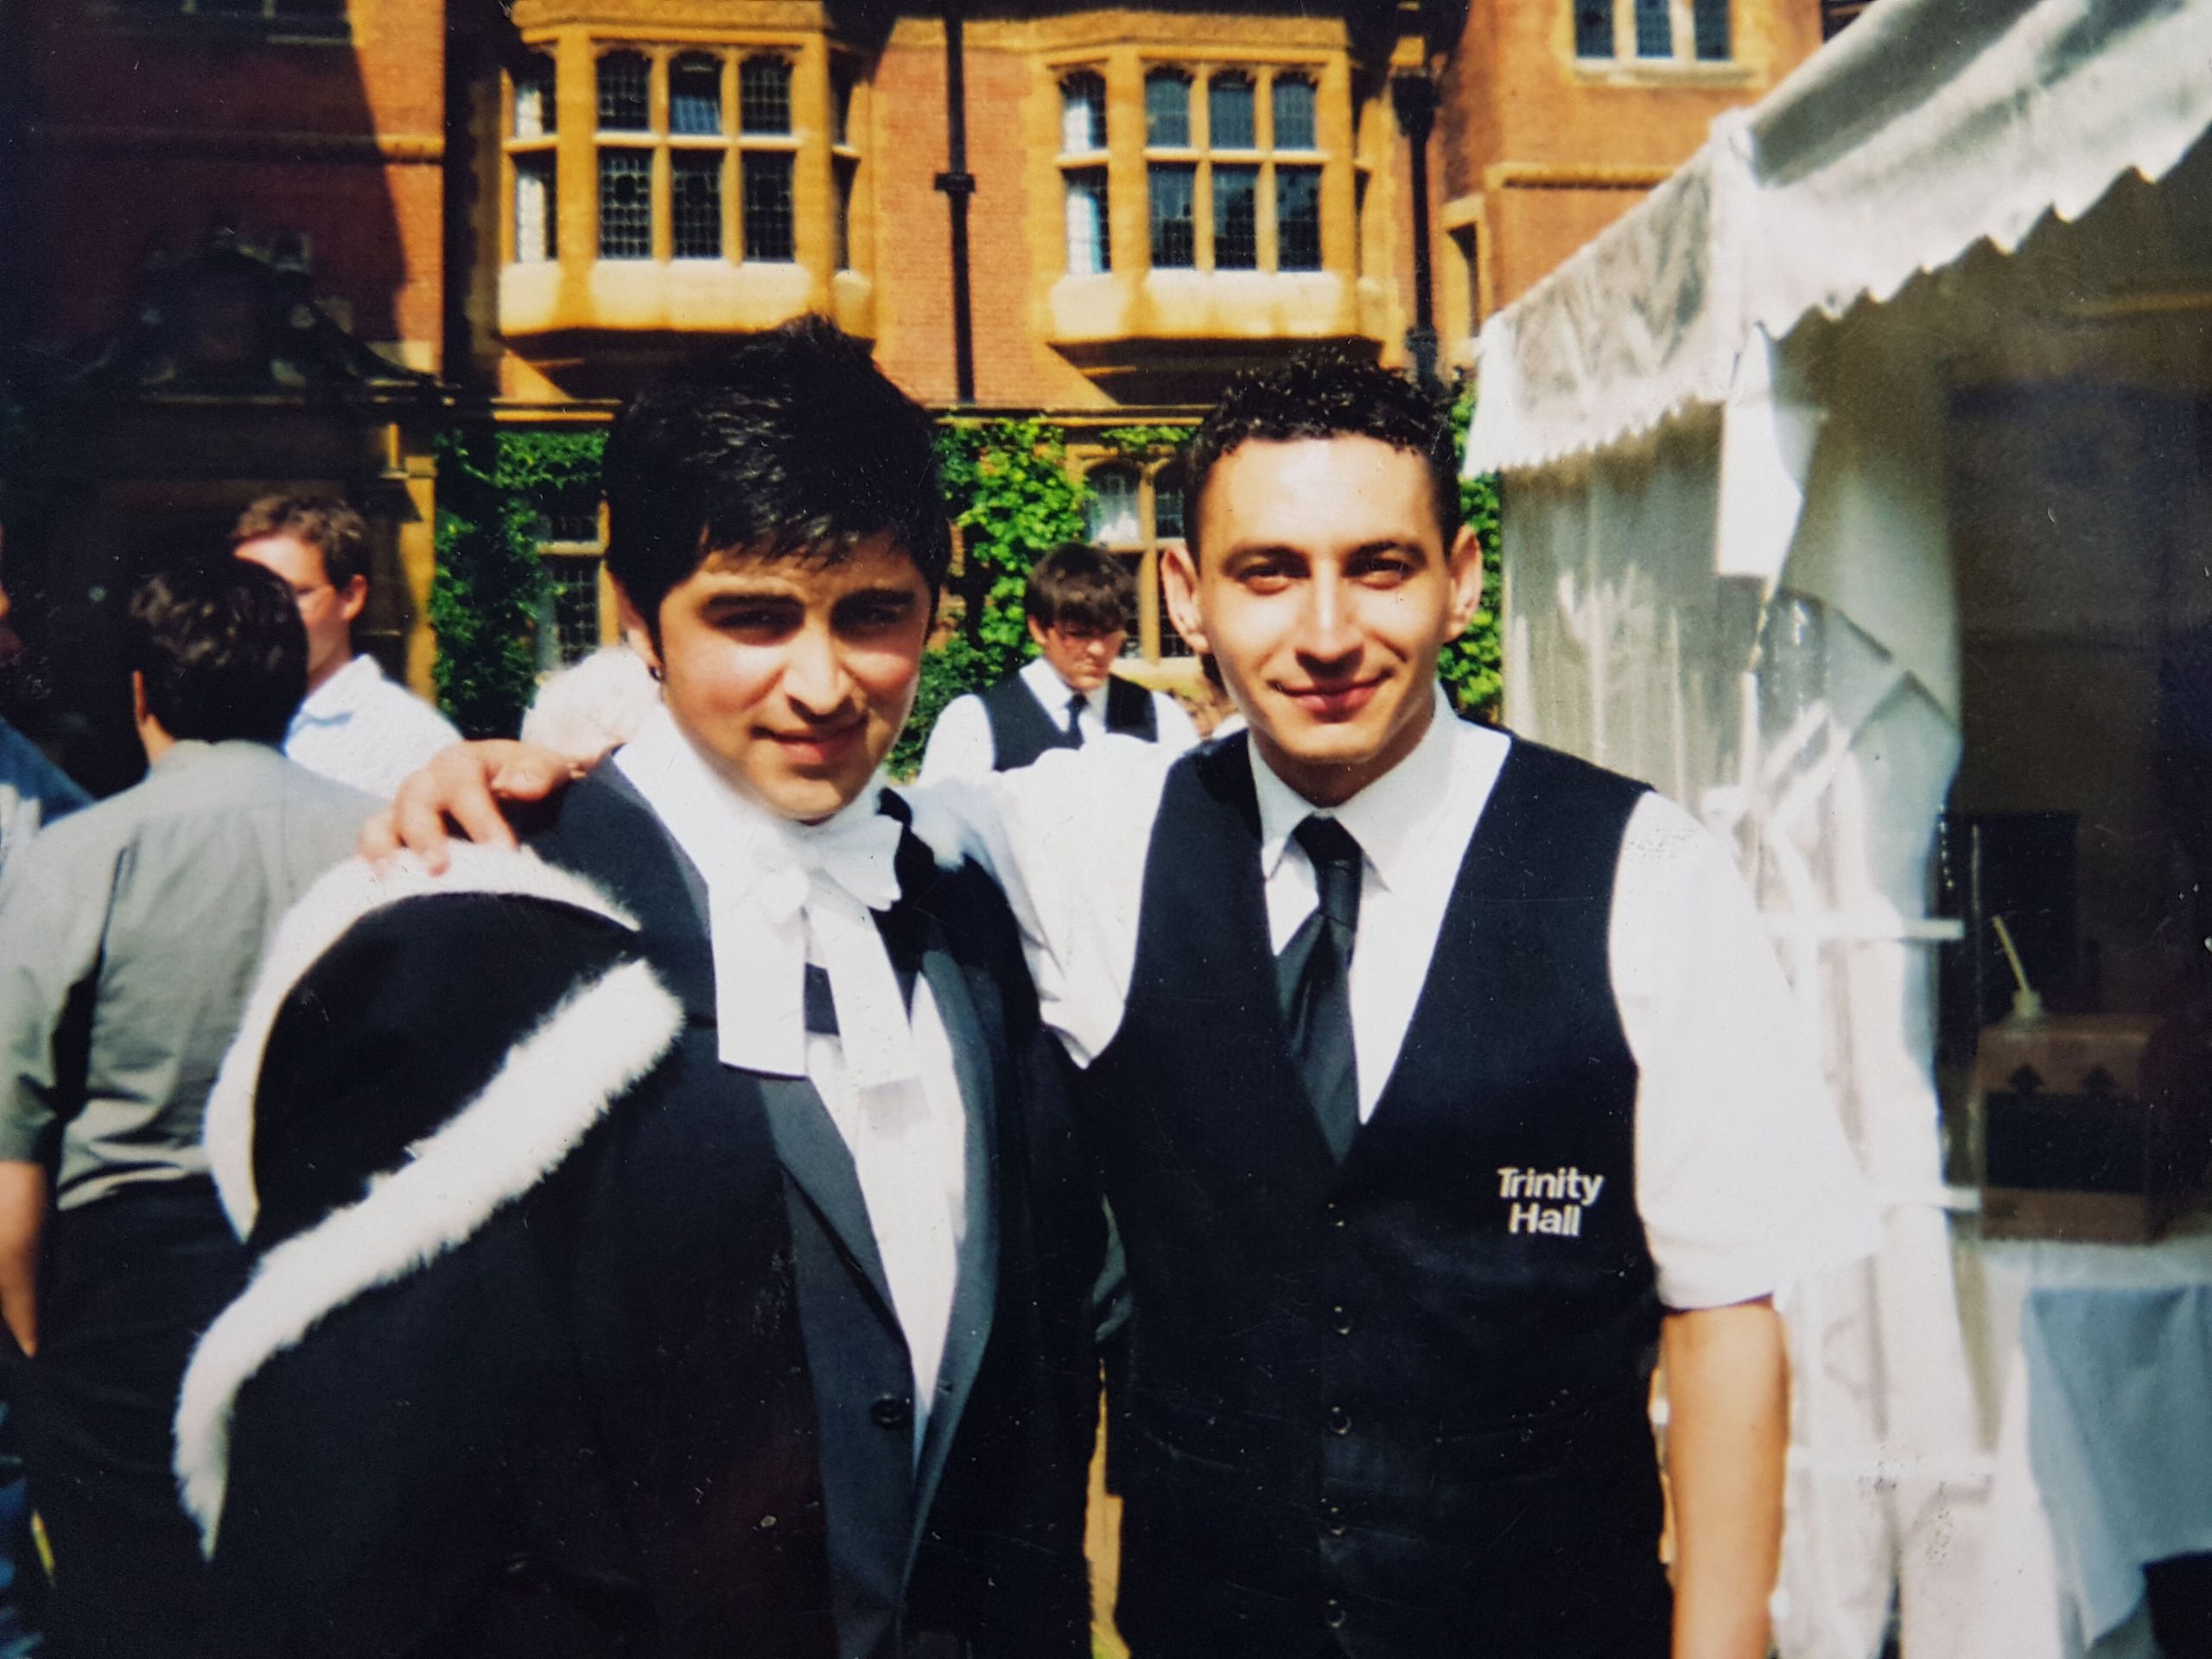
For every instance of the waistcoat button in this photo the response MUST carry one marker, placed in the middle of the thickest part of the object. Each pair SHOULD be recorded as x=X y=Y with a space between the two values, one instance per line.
x=1341 y=1319
x=893 y=1411
x=1333 y=1615
x=1339 y=1420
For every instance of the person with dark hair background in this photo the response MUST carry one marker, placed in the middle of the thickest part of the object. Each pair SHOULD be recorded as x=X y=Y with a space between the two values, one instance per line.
x=669 y=1243
x=128 y=935
x=1077 y=605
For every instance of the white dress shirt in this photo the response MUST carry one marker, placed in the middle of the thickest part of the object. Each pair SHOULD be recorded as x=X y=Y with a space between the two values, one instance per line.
x=780 y=894
x=960 y=743
x=1744 y=1182
x=361 y=729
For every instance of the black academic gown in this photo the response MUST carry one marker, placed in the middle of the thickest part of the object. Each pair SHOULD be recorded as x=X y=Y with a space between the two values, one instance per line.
x=578 y=1416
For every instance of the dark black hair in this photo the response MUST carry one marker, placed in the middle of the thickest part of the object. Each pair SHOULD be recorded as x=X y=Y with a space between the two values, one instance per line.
x=223 y=651
x=1077 y=586
x=792 y=443
x=1327 y=395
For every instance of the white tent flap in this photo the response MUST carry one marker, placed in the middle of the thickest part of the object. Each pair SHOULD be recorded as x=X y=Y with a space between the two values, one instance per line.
x=1927 y=126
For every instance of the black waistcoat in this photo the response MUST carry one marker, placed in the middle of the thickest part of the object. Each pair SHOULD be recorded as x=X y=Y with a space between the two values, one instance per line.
x=1021 y=731
x=1388 y=1408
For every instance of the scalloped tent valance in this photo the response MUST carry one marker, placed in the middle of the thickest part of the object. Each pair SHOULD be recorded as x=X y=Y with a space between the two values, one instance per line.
x=1926 y=128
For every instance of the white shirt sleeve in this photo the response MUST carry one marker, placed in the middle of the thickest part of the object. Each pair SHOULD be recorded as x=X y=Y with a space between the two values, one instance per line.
x=1176 y=734
x=1067 y=839
x=960 y=743
x=1743 y=1179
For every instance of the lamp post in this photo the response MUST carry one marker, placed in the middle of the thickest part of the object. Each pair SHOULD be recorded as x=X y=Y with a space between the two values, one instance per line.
x=1414 y=98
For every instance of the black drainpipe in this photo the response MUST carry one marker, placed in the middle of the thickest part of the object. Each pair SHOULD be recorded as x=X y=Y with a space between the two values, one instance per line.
x=1415 y=98
x=958 y=184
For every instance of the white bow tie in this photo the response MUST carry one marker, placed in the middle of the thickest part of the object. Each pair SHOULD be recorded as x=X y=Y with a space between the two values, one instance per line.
x=837 y=875
x=778 y=893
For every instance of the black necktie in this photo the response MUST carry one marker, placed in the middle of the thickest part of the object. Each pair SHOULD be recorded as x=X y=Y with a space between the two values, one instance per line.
x=821 y=1005
x=1076 y=704
x=1313 y=981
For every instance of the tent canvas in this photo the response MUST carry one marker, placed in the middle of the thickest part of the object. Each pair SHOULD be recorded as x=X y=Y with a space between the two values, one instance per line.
x=1735 y=431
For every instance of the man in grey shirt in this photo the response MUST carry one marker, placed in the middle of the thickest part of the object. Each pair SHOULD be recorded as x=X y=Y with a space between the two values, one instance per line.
x=130 y=935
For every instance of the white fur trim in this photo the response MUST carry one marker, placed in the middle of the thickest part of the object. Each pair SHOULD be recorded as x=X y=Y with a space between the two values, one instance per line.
x=552 y=1088
x=336 y=901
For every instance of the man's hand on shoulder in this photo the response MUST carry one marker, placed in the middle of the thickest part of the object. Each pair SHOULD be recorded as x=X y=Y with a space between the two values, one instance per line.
x=466 y=783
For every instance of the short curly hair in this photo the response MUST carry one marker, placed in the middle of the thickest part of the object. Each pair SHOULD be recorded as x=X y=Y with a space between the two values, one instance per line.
x=1328 y=394
x=222 y=649
x=322 y=522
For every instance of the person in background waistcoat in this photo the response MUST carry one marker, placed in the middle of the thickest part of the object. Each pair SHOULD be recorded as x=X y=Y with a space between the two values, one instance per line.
x=1077 y=604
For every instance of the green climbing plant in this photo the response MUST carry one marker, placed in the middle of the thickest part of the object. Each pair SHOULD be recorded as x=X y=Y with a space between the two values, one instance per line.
x=1014 y=500
x=1472 y=667
x=498 y=490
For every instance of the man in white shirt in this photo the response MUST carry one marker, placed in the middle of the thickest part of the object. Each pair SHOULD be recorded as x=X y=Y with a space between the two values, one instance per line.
x=1078 y=605
x=1435 y=1078
x=355 y=726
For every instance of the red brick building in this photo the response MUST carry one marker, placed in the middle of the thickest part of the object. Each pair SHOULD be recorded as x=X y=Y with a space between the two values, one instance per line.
x=264 y=242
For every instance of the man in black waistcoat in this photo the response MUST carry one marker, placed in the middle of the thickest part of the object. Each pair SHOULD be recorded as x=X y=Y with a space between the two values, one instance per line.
x=1438 y=1081
x=1077 y=604
x=668 y=1236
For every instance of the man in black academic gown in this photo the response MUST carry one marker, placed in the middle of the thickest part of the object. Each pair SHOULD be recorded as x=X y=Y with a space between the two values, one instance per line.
x=669 y=1244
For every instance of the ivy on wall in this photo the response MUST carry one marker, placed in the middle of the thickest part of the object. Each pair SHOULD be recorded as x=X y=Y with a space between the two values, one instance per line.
x=1473 y=666
x=497 y=488
x=1013 y=498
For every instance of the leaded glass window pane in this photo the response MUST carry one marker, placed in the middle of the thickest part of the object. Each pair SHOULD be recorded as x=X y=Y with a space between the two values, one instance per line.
x=1083 y=115
x=1654 y=29
x=534 y=116
x=1593 y=28
x=536 y=237
x=694 y=97
x=764 y=96
x=625 y=222
x=696 y=196
x=1293 y=102
x=768 y=234
x=1709 y=19
x=1175 y=228
x=1087 y=228
x=1229 y=113
x=626 y=204
x=1113 y=512
x=1166 y=110
x=1298 y=219
x=1167 y=506
x=1236 y=217
x=622 y=81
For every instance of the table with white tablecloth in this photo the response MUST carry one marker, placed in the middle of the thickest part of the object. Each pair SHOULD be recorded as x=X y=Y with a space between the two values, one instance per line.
x=2104 y=1455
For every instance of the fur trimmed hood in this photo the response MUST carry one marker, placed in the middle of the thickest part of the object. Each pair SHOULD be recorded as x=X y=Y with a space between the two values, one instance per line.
x=342 y=897
x=551 y=1087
